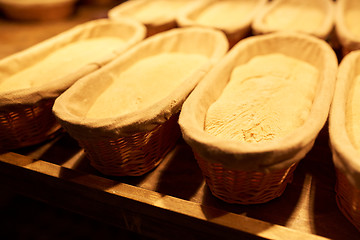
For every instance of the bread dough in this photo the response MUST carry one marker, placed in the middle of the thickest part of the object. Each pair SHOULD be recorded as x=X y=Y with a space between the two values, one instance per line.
x=296 y=15
x=352 y=18
x=266 y=98
x=61 y=63
x=226 y=13
x=145 y=82
x=353 y=113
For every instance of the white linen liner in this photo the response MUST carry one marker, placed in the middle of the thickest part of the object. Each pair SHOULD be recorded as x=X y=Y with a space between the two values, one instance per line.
x=127 y=29
x=282 y=152
x=70 y=108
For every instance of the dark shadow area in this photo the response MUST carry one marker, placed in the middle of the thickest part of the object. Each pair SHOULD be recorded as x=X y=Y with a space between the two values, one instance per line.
x=25 y=218
x=64 y=148
x=180 y=175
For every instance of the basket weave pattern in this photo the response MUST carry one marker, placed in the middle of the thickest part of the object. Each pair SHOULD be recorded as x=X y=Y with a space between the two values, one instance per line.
x=27 y=125
x=244 y=187
x=348 y=199
x=132 y=155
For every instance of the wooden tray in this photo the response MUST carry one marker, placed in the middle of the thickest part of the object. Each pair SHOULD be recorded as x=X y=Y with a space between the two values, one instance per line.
x=171 y=202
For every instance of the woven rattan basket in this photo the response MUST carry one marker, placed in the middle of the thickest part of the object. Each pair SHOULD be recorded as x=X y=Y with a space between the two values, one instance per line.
x=250 y=173
x=345 y=156
x=348 y=39
x=298 y=20
x=25 y=114
x=134 y=143
x=156 y=15
x=222 y=11
x=37 y=9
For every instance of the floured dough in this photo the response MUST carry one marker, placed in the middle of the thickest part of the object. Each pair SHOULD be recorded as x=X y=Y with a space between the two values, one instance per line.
x=352 y=18
x=353 y=113
x=223 y=14
x=266 y=98
x=296 y=15
x=61 y=63
x=144 y=83
x=154 y=9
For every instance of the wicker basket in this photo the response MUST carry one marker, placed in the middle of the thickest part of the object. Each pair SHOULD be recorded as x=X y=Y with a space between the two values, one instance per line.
x=161 y=15
x=37 y=9
x=134 y=143
x=27 y=126
x=26 y=114
x=245 y=187
x=348 y=40
x=326 y=7
x=348 y=199
x=345 y=155
x=133 y=155
x=235 y=30
x=250 y=173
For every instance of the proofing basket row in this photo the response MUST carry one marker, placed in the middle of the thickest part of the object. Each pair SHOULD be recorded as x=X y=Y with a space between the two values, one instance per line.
x=345 y=155
x=251 y=173
x=26 y=114
x=133 y=143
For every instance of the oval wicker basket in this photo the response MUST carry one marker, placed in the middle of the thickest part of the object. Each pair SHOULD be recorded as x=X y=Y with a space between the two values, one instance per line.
x=348 y=40
x=345 y=156
x=25 y=115
x=37 y=9
x=249 y=173
x=234 y=30
x=156 y=15
x=134 y=143
x=326 y=7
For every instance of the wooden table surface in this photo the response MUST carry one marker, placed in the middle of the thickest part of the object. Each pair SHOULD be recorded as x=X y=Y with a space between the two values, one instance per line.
x=173 y=200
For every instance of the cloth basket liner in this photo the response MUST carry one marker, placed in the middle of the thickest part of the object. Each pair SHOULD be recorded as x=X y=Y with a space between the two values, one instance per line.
x=129 y=30
x=280 y=153
x=26 y=114
x=324 y=31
